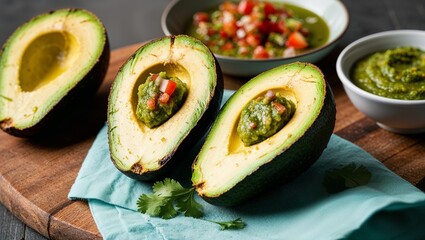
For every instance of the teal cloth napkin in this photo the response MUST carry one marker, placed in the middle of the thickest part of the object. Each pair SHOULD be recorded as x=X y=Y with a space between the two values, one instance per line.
x=387 y=207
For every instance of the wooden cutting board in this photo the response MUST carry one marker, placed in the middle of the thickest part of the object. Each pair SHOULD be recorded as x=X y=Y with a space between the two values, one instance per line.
x=36 y=175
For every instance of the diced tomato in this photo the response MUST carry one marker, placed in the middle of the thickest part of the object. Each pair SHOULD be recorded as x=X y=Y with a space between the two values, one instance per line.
x=223 y=34
x=163 y=98
x=211 y=31
x=297 y=41
x=253 y=39
x=257 y=16
x=279 y=107
x=230 y=28
x=227 y=46
x=154 y=77
x=245 y=7
x=229 y=6
x=242 y=43
x=281 y=27
x=200 y=17
x=151 y=103
x=260 y=53
x=167 y=86
x=265 y=27
x=269 y=9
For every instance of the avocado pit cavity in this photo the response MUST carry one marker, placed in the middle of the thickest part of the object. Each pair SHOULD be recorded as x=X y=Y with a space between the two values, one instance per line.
x=47 y=57
x=159 y=98
x=264 y=116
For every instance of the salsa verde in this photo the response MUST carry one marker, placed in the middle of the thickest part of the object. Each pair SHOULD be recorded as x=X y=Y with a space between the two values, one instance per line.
x=397 y=73
x=264 y=116
x=259 y=29
x=159 y=98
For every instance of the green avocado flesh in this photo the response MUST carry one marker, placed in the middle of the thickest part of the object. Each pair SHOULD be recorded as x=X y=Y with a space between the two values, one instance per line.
x=47 y=63
x=147 y=153
x=228 y=172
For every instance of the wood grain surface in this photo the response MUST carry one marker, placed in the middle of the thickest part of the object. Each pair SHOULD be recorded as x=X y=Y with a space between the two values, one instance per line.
x=36 y=174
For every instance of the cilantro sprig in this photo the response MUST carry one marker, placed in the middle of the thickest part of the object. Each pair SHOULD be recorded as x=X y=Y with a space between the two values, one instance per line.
x=234 y=224
x=169 y=198
x=349 y=176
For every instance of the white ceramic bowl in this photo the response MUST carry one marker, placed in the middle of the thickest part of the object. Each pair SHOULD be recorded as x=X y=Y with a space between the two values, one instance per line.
x=178 y=14
x=400 y=116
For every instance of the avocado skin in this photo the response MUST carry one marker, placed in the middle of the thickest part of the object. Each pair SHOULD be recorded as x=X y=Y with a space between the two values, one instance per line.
x=287 y=165
x=82 y=92
x=179 y=161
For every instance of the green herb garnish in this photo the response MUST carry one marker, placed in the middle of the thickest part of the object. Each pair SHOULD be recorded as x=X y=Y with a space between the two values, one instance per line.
x=169 y=198
x=234 y=224
x=349 y=176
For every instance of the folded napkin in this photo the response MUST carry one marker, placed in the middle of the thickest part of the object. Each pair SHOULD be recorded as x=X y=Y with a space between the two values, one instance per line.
x=388 y=207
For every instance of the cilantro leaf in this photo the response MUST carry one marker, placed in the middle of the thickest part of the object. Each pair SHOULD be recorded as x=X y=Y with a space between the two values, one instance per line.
x=154 y=205
x=169 y=198
x=234 y=224
x=167 y=188
x=349 y=176
x=187 y=205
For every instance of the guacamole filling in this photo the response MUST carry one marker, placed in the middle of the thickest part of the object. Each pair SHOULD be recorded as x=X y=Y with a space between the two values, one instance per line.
x=159 y=98
x=397 y=73
x=264 y=116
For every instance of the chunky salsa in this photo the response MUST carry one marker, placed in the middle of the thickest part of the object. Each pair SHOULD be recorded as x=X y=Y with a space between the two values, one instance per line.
x=159 y=98
x=259 y=29
x=395 y=73
x=264 y=116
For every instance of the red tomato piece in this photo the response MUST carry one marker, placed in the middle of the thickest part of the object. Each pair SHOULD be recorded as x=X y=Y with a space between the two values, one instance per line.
x=279 y=107
x=200 y=17
x=167 y=86
x=242 y=43
x=297 y=41
x=163 y=98
x=230 y=28
x=260 y=53
x=281 y=27
x=269 y=9
x=154 y=77
x=151 y=103
x=265 y=27
x=229 y=6
x=253 y=39
x=227 y=46
x=245 y=7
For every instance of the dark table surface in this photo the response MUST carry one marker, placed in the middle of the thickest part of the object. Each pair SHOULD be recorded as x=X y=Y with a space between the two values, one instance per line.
x=129 y=21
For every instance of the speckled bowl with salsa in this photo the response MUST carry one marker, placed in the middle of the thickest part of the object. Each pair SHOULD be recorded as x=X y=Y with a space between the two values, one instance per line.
x=249 y=37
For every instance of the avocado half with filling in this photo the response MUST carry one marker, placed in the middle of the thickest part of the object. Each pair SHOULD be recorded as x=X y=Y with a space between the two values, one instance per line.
x=227 y=171
x=47 y=65
x=146 y=152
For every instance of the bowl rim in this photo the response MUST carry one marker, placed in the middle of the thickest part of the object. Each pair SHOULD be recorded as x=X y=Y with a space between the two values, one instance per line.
x=345 y=13
x=372 y=37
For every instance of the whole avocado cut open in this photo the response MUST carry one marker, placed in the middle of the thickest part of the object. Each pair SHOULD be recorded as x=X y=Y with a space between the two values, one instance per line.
x=146 y=153
x=226 y=172
x=47 y=66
